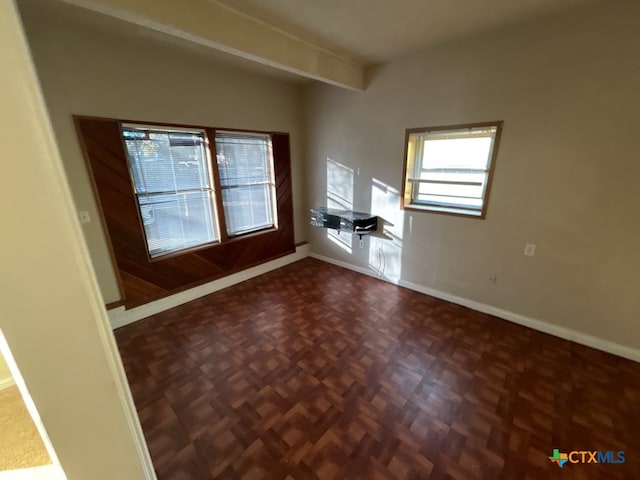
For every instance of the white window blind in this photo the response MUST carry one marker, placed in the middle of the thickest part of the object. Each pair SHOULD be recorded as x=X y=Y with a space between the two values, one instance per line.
x=245 y=165
x=449 y=170
x=173 y=187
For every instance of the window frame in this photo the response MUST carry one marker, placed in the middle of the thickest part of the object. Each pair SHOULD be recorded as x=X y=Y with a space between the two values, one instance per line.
x=271 y=183
x=217 y=206
x=407 y=196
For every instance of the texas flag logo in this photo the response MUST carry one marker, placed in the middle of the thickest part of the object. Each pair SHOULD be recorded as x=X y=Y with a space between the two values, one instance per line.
x=559 y=458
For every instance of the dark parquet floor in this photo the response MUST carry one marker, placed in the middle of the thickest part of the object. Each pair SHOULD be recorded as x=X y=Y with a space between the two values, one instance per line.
x=316 y=372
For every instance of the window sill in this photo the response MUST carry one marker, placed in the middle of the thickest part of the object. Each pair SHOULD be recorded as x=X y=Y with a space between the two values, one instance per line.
x=217 y=243
x=176 y=253
x=242 y=236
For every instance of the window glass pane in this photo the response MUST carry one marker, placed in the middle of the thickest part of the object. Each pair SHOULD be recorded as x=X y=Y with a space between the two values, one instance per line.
x=454 y=176
x=450 y=190
x=461 y=202
x=166 y=161
x=171 y=176
x=247 y=208
x=462 y=153
x=243 y=159
x=245 y=164
x=177 y=221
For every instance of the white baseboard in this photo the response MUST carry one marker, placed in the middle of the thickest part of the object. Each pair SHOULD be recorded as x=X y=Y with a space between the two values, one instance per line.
x=118 y=317
x=44 y=472
x=540 y=325
x=6 y=382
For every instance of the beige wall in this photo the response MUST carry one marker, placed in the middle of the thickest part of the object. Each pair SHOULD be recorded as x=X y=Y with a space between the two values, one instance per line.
x=566 y=178
x=4 y=369
x=51 y=315
x=84 y=70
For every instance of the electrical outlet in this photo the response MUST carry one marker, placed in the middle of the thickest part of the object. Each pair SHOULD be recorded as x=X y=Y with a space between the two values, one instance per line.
x=529 y=249
x=84 y=217
x=493 y=279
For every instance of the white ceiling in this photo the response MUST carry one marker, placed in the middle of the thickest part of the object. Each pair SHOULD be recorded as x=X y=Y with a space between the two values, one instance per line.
x=34 y=12
x=366 y=32
x=375 y=31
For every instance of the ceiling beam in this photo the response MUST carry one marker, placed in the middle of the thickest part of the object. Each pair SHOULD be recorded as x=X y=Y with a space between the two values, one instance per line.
x=214 y=25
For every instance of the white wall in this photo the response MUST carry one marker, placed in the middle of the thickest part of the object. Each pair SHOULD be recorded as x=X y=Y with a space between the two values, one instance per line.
x=566 y=178
x=90 y=70
x=51 y=316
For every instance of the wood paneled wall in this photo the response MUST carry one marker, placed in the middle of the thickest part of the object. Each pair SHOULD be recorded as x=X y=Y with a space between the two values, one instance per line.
x=142 y=280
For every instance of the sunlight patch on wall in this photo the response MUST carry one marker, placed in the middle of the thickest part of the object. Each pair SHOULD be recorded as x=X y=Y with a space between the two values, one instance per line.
x=340 y=196
x=385 y=251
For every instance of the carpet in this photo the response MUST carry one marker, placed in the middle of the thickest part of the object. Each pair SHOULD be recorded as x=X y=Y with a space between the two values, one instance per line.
x=20 y=442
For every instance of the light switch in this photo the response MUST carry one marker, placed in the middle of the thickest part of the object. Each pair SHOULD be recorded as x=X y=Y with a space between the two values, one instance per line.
x=84 y=217
x=530 y=249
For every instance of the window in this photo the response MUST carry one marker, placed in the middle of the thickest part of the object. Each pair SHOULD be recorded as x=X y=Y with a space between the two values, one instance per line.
x=246 y=179
x=178 y=192
x=176 y=212
x=448 y=169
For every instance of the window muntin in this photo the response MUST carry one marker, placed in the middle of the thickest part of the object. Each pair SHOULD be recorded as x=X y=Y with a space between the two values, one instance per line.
x=448 y=169
x=245 y=165
x=173 y=186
